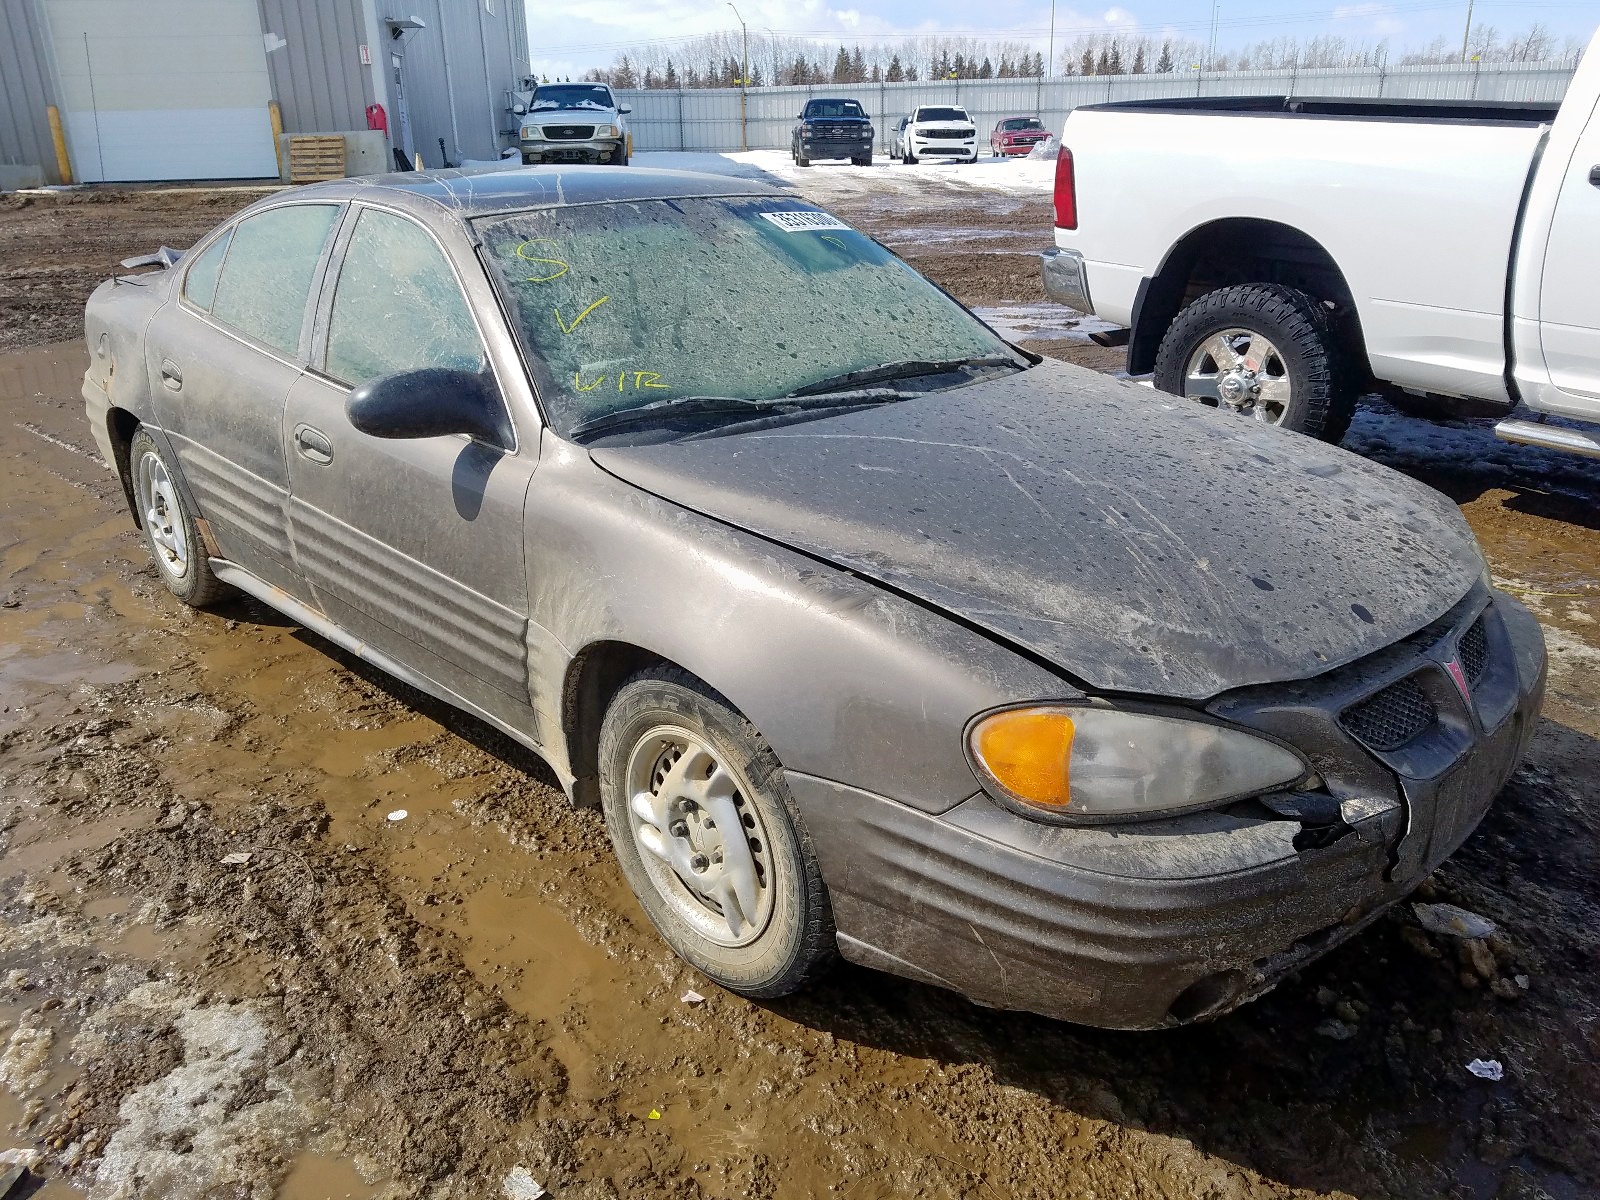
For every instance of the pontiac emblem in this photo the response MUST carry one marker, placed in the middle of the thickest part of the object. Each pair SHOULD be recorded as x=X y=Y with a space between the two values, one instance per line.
x=1453 y=666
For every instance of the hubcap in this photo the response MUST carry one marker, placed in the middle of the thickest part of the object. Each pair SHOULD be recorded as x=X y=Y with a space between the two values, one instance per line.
x=163 y=518
x=1243 y=372
x=702 y=842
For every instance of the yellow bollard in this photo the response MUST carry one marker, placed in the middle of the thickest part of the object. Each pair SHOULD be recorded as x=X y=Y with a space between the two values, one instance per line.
x=276 y=115
x=63 y=163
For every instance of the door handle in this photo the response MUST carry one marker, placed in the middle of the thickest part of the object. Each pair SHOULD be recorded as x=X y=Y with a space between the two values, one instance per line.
x=313 y=444
x=171 y=377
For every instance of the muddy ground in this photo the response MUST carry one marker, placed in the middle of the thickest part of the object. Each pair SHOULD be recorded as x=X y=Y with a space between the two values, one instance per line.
x=466 y=1000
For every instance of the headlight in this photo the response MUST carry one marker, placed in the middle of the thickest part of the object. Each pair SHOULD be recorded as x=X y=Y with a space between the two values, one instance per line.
x=1084 y=764
x=607 y=131
x=532 y=133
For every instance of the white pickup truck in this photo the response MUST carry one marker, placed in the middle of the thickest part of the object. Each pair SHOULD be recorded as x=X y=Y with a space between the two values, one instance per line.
x=1281 y=257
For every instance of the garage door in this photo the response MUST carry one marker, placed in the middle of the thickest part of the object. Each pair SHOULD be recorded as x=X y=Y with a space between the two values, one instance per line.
x=163 y=89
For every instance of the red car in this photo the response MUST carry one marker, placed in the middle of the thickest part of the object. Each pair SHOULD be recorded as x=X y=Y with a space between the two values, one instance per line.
x=1016 y=135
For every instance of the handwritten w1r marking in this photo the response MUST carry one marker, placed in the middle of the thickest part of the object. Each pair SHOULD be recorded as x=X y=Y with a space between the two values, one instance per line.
x=565 y=328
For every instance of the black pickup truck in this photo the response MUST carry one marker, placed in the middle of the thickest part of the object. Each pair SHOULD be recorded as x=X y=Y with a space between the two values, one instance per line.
x=832 y=129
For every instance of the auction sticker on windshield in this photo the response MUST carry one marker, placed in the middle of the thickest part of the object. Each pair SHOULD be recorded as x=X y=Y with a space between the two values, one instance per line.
x=803 y=222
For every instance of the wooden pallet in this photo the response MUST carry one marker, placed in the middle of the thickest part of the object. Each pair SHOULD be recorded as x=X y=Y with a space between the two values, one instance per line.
x=314 y=157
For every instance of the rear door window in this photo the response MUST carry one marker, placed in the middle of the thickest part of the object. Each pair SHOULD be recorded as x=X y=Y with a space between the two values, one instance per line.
x=270 y=267
x=200 y=283
x=398 y=305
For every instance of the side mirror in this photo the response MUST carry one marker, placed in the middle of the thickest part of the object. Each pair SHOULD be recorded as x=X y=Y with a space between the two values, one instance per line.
x=431 y=402
x=519 y=109
x=625 y=109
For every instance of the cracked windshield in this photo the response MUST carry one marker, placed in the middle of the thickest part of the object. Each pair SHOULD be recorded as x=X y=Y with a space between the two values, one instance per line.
x=629 y=303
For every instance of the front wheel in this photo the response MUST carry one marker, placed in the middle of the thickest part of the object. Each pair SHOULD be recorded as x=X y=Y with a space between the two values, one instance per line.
x=909 y=158
x=170 y=532
x=1263 y=351
x=708 y=836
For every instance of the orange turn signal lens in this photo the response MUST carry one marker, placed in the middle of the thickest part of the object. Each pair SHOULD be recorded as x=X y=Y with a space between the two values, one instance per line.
x=1028 y=753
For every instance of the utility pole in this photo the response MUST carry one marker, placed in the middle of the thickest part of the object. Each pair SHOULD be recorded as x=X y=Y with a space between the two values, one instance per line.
x=1051 y=68
x=1466 y=34
x=1211 y=59
x=744 y=80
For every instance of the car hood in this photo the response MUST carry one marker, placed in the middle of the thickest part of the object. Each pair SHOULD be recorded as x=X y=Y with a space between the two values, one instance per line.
x=570 y=116
x=1139 y=543
x=942 y=126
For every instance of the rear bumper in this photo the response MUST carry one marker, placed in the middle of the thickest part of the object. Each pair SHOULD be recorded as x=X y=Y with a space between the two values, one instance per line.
x=1151 y=925
x=1066 y=281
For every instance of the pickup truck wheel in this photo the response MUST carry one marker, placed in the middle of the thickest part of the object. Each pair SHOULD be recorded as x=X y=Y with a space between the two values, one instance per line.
x=708 y=836
x=169 y=529
x=1263 y=351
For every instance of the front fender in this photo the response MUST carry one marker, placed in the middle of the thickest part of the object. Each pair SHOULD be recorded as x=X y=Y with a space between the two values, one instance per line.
x=847 y=681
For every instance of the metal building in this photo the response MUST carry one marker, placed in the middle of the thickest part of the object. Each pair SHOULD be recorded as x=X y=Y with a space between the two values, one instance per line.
x=184 y=89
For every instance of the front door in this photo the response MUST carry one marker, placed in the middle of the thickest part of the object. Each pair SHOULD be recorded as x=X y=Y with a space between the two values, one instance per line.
x=415 y=545
x=1569 y=303
x=222 y=355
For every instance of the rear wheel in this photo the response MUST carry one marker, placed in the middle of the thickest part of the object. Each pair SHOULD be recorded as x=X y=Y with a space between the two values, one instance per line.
x=708 y=836
x=1263 y=351
x=169 y=529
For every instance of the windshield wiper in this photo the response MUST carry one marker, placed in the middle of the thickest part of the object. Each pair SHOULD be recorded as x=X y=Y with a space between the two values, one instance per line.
x=676 y=406
x=909 y=368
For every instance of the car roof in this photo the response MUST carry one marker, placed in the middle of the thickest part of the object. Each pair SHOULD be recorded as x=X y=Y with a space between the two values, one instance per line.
x=479 y=191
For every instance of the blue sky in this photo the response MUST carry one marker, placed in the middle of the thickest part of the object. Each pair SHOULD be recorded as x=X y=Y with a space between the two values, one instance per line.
x=569 y=35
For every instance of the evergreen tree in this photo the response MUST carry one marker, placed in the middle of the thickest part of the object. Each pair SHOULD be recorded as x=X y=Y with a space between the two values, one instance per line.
x=858 y=66
x=1164 y=63
x=841 y=66
x=986 y=69
x=1102 y=64
x=1006 y=70
x=1138 y=61
x=896 y=72
x=877 y=73
x=622 y=75
x=649 y=78
x=670 y=79
x=912 y=74
x=1114 y=61
x=1086 y=65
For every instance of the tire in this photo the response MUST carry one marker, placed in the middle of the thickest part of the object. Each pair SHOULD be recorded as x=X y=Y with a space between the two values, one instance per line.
x=1305 y=379
x=800 y=160
x=862 y=162
x=168 y=527
x=620 y=160
x=781 y=934
x=909 y=158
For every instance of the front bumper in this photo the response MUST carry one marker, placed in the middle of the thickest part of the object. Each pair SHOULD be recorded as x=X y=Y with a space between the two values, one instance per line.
x=595 y=151
x=1160 y=923
x=828 y=148
x=1017 y=149
x=945 y=147
x=1066 y=281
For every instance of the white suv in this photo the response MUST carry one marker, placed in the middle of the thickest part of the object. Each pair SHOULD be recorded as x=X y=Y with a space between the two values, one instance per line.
x=935 y=131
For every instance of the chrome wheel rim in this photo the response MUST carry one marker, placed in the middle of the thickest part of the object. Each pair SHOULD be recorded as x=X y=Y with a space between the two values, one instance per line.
x=1241 y=371
x=163 y=517
x=702 y=842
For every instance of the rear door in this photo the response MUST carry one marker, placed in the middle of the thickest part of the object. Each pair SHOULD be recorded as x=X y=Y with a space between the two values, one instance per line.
x=222 y=356
x=1569 y=302
x=415 y=545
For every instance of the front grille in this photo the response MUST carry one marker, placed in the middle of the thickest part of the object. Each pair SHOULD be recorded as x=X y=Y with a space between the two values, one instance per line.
x=1399 y=714
x=947 y=133
x=1473 y=652
x=569 y=133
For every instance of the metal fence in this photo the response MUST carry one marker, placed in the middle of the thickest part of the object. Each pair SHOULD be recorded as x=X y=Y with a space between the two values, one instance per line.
x=705 y=119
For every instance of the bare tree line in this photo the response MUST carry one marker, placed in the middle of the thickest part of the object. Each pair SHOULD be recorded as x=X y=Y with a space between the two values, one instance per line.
x=717 y=60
